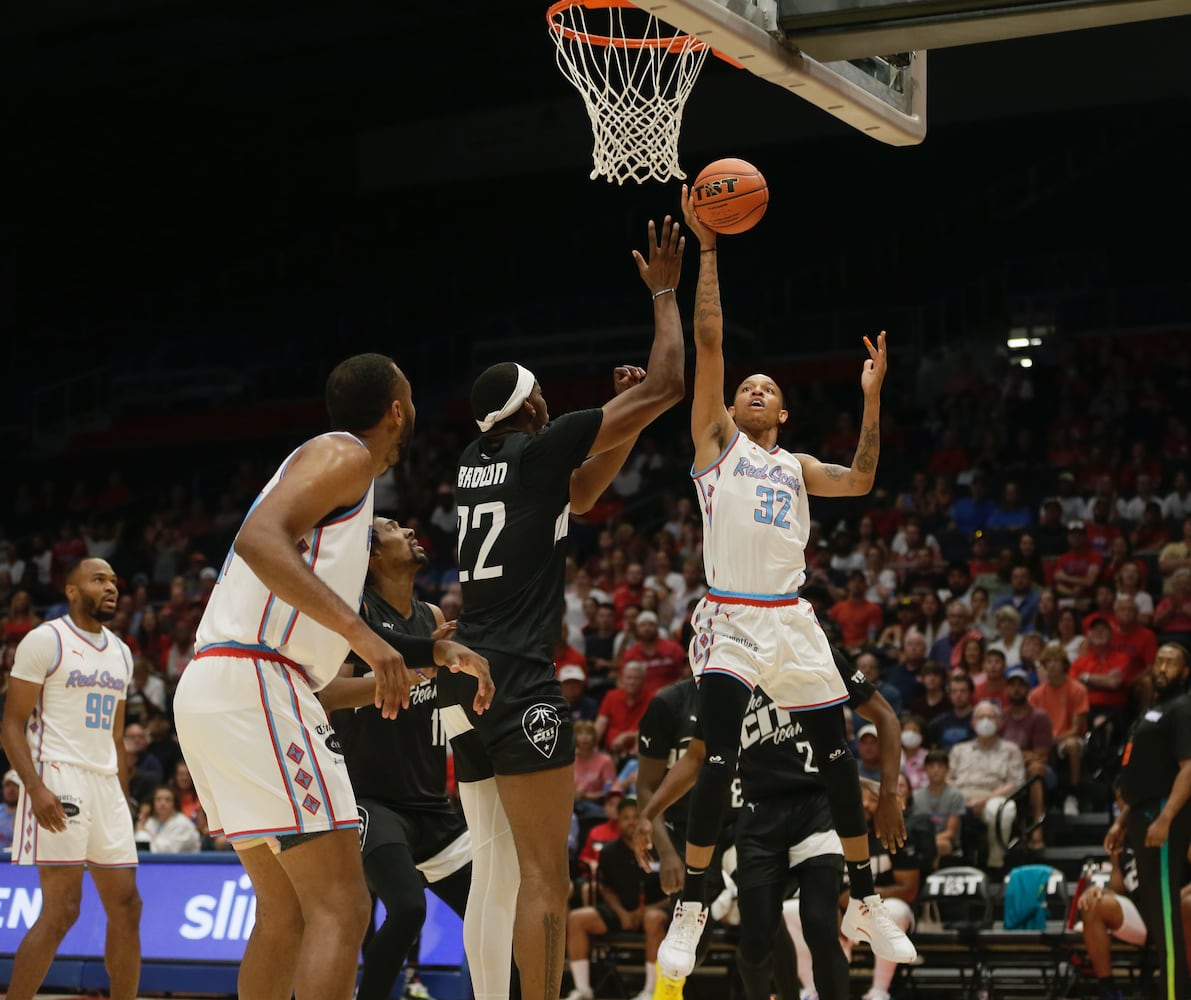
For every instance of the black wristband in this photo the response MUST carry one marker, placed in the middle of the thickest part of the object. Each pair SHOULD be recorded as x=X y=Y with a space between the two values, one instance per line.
x=418 y=652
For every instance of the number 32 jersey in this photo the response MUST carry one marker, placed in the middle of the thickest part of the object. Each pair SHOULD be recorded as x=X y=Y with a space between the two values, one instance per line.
x=84 y=676
x=513 y=496
x=756 y=520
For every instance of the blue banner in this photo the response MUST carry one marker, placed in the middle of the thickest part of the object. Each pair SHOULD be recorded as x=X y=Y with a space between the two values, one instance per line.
x=192 y=912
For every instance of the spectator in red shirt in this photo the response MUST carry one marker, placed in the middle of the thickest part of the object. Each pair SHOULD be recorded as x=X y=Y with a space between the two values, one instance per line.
x=629 y=590
x=566 y=655
x=65 y=554
x=1133 y=638
x=994 y=686
x=622 y=709
x=858 y=618
x=665 y=660
x=1106 y=674
x=605 y=833
x=1077 y=569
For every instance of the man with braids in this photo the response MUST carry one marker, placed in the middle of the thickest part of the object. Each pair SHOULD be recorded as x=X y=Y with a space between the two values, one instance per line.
x=517 y=485
x=285 y=610
x=752 y=629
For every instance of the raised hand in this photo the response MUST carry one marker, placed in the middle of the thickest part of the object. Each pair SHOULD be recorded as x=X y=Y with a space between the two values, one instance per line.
x=705 y=236
x=664 y=267
x=874 y=368
x=625 y=377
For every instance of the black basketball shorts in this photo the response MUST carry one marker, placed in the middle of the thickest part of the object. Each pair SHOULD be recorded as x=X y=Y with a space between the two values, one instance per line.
x=776 y=835
x=426 y=832
x=527 y=727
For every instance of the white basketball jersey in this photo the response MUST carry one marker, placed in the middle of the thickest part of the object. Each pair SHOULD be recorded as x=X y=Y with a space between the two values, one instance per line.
x=84 y=677
x=756 y=521
x=242 y=612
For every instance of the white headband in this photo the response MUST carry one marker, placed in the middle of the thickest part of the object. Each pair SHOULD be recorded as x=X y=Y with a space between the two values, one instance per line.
x=520 y=394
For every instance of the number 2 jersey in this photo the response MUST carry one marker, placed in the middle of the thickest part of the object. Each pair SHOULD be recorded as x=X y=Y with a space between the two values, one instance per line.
x=84 y=676
x=513 y=496
x=756 y=521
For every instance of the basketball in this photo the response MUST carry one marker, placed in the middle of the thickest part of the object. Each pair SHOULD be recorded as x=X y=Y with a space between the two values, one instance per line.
x=730 y=195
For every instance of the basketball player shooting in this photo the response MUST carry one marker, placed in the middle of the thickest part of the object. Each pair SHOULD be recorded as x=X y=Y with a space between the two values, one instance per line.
x=752 y=629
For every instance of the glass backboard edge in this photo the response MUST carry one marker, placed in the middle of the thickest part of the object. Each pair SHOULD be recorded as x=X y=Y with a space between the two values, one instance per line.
x=895 y=119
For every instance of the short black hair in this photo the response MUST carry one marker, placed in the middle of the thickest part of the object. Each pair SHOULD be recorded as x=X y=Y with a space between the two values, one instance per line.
x=360 y=390
x=937 y=757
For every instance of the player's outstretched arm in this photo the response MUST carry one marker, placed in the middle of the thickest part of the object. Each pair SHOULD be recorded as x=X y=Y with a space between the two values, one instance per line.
x=711 y=425
x=824 y=480
x=889 y=821
x=595 y=475
x=626 y=414
x=325 y=475
x=679 y=780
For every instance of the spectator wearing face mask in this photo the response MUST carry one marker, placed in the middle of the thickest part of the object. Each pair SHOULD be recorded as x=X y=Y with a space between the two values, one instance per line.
x=914 y=750
x=987 y=770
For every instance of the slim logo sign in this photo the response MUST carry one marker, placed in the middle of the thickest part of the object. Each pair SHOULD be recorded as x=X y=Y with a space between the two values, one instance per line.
x=230 y=916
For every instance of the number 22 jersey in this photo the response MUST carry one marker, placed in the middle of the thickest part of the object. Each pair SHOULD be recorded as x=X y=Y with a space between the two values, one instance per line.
x=513 y=496
x=756 y=520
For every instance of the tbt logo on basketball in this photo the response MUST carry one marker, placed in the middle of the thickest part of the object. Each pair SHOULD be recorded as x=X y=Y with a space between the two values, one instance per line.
x=730 y=195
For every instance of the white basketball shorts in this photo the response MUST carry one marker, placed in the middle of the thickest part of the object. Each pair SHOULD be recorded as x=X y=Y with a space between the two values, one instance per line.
x=774 y=641
x=264 y=758
x=98 y=822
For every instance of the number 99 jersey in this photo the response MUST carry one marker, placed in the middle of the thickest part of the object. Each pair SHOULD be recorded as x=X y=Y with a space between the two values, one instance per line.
x=756 y=521
x=84 y=677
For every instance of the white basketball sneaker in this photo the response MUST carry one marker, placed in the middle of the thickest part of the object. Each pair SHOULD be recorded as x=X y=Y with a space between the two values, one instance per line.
x=867 y=920
x=676 y=953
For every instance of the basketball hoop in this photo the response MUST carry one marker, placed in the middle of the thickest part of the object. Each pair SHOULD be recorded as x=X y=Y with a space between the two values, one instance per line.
x=634 y=75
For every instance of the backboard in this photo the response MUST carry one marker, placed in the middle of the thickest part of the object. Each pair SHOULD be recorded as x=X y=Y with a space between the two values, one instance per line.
x=864 y=61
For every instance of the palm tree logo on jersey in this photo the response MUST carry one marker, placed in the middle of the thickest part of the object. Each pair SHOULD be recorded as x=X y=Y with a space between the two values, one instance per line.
x=541 y=725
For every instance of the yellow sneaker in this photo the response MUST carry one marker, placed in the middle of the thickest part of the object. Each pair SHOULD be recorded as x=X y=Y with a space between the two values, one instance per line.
x=667 y=988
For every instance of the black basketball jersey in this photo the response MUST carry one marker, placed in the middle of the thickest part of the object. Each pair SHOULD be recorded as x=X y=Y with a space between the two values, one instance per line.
x=401 y=762
x=513 y=496
x=775 y=758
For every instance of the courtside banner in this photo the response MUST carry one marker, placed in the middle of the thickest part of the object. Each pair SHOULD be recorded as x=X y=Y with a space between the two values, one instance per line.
x=194 y=910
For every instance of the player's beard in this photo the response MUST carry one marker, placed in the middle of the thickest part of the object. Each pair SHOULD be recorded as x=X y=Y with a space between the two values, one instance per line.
x=1165 y=689
x=96 y=610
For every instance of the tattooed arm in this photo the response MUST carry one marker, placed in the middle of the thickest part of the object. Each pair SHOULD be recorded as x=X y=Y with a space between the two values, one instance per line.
x=825 y=480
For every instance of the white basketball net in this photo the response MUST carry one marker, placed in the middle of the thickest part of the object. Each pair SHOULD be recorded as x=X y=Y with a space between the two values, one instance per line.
x=634 y=75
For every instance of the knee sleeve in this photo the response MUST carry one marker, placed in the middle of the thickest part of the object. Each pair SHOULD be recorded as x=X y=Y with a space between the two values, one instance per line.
x=722 y=704
x=492 y=900
x=824 y=728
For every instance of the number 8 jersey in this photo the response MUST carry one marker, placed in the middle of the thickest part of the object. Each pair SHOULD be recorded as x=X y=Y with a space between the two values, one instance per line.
x=84 y=676
x=756 y=521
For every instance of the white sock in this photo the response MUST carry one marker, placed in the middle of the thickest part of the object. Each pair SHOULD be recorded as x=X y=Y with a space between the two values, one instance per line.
x=651 y=977
x=581 y=973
